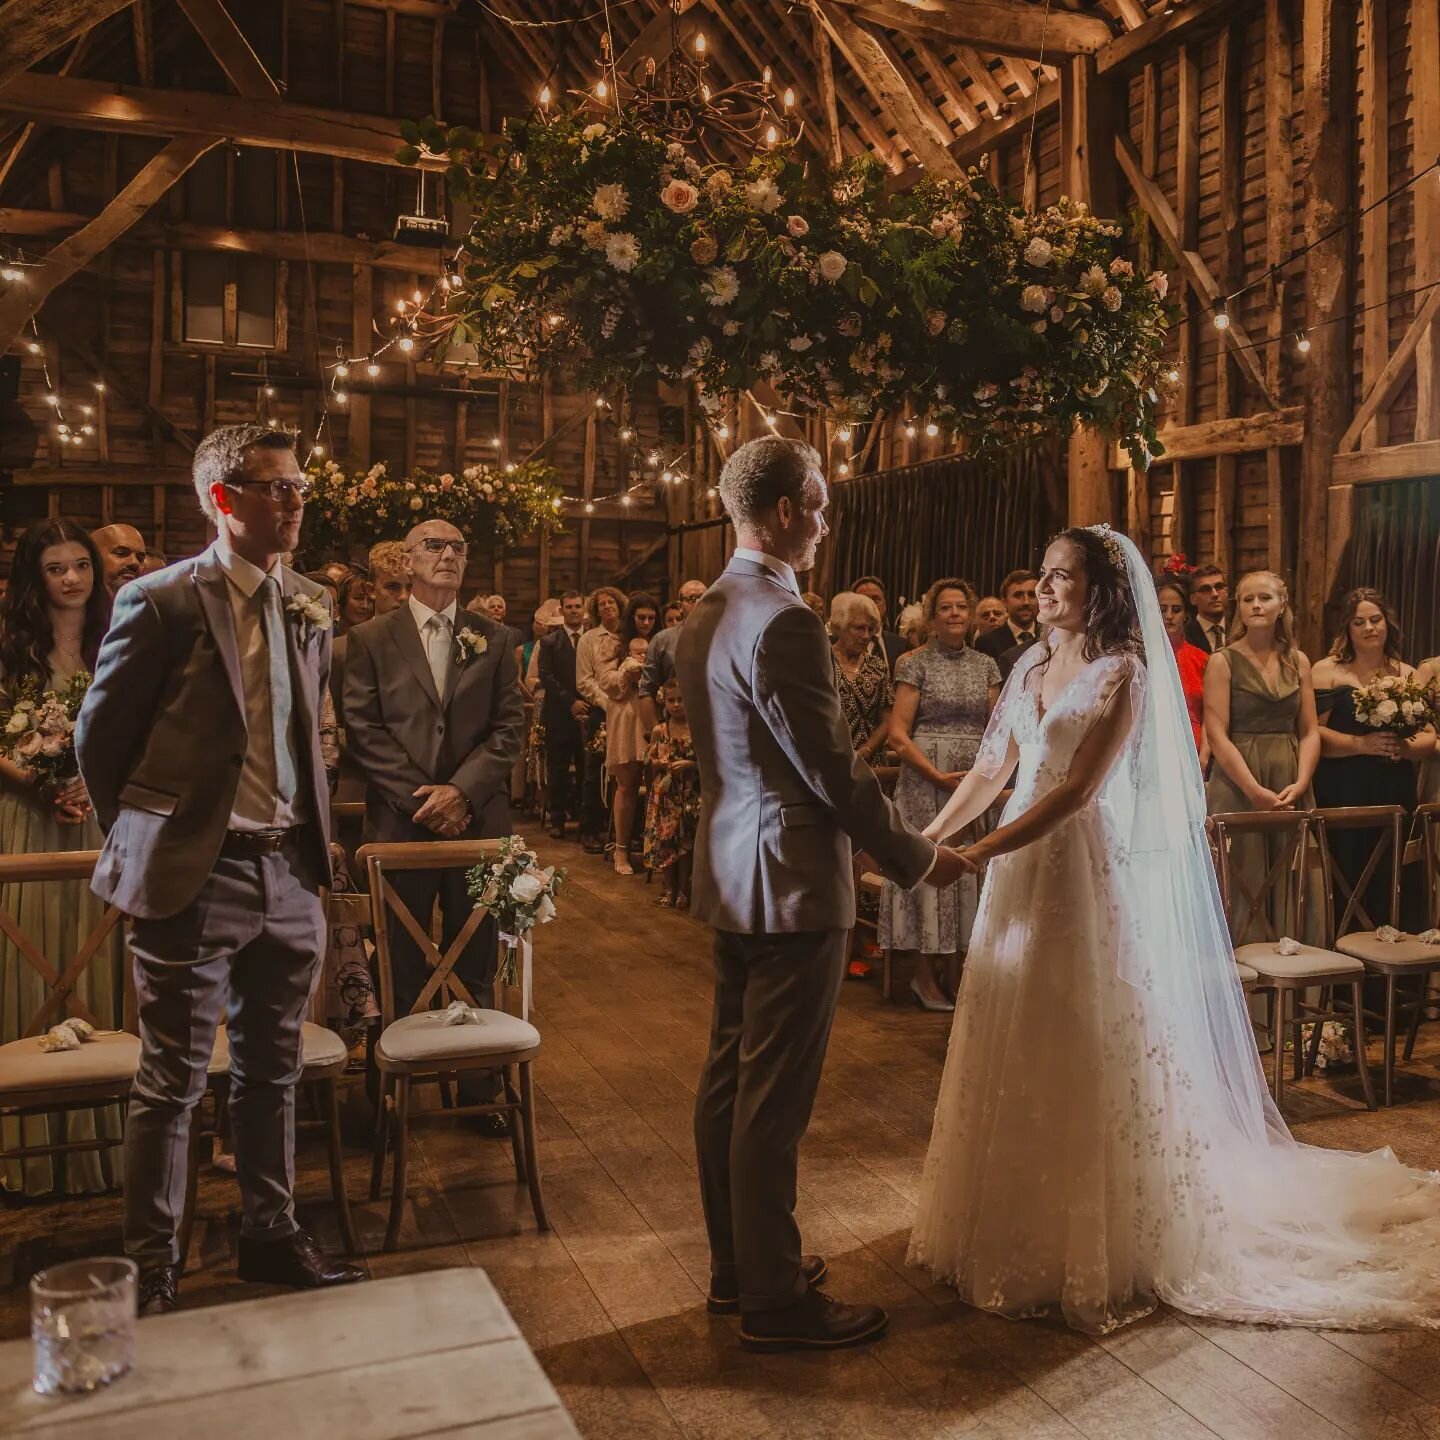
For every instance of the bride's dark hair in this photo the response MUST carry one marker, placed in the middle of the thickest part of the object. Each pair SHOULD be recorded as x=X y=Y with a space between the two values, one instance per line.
x=1112 y=612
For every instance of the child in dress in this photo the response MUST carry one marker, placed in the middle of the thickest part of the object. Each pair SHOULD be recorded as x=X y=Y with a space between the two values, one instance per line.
x=672 y=811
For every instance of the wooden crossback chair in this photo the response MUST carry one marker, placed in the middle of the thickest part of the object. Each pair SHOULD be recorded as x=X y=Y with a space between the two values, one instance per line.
x=1247 y=902
x=416 y=1047
x=34 y=1081
x=1355 y=928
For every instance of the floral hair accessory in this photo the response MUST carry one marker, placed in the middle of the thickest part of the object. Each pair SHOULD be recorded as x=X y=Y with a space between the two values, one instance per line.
x=1111 y=541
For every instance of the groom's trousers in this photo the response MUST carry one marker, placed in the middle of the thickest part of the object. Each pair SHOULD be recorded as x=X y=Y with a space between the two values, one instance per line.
x=775 y=998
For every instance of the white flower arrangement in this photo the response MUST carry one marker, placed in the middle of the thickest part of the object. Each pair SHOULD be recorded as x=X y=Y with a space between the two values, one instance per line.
x=309 y=612
x=1039 y=252
x=1398 y=703
x=611 y=202
x=622 y=250
x=763 y=195
x=469 y=643
x=722 y=285
x=514 y=889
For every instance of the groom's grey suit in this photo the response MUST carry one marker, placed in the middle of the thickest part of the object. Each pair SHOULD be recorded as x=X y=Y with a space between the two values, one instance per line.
x=782 y=797
x=199 y=745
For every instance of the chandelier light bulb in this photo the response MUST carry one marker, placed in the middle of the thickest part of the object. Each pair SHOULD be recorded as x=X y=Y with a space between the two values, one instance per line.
x=399 y=307
x=372 y=369
x=789 y=98
x=544 y=95
x=768 y=74
x=771 y=135
x=602 y=90
x=699 y=42
x=417 y=297
x=705 y=92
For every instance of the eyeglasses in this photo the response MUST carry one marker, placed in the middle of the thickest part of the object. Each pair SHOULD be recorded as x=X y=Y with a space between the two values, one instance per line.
x=438 y=547
x=1218 y=589
x=278 y=490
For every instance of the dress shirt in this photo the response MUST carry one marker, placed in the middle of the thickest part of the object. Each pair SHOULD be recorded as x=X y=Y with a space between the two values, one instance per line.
x=437 y=631
x=258 y=804
x=778 y=568
x=587 y=666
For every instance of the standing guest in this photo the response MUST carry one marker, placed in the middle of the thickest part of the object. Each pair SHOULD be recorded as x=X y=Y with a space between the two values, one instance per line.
x=1190 y=659
x=1360 y=765
x=889 y=645
x=357 y=605
x=1260 y=721
x=52 y=620
x=660 y=656
x=1019 y=630
x=389 y=576
x=861 y=677
x=199 y=743
x=815 y=601
x=672 y=804
x=1210 y=600
x=622 y=662
x=434 y=718
x=326 y=581
x=1429 y=794
x=565 y=712
x=943 y=698
x=673 y=615
x=545 y=618
x=606 y=607
x=122 y=555
x=154 y=560
x=990 y=614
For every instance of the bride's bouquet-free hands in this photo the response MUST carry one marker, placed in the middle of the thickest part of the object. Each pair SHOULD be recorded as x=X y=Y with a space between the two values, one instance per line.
x=37 y=733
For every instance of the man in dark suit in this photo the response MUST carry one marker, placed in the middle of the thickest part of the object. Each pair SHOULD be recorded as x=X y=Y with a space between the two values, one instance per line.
x=889 y=645
x=199 y=744
x=564 y=712
x=434 y=718
x=783 y=793
x=1020 y=628
x=1210 y=600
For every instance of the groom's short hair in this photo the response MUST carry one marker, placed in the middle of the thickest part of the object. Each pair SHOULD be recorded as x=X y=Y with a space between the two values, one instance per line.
x=762 y=473
x=220 y=457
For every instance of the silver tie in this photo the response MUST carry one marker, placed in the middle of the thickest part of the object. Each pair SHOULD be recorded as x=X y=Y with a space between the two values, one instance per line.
x=281 y=700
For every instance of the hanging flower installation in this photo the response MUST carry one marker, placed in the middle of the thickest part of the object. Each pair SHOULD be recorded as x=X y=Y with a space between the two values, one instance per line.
x=360 y=508
x=604 y=246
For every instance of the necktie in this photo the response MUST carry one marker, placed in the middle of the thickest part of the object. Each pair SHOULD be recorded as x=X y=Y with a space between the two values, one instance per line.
x=574 y=639
x=437 y=650
x=1217 y=636
x=1027 y=637
x=273 y=625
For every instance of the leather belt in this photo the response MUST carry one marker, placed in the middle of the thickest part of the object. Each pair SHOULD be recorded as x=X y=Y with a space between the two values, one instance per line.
x=251 y=843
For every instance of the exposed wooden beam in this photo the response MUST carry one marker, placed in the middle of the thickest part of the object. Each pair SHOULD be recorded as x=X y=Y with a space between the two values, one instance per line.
x=226 y=42
x=825 y=73
x=1397 y=371
x=888 y=78
x=1279 y=229
x=117 y=386
x=967 y=149
x=30 y=129
x=1391 y=462
x=77 y=250
x=73 y=475
x=950 y=87
x=1157 y=207
x=1425 y=137
x=33 y=29
x=1375 y=209
x=653 y=41
x=984 y=82
x=1236 y=436
x=270 y=124
x=1178 y=25
x=1011 y=26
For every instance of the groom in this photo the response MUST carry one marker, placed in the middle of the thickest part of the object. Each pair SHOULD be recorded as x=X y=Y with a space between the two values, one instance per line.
x=783 y=797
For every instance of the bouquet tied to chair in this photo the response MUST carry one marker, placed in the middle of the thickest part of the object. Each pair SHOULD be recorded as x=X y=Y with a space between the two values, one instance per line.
x=520 y=893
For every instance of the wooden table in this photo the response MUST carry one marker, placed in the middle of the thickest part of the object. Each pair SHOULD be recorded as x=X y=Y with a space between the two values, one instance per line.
x=383 y=1360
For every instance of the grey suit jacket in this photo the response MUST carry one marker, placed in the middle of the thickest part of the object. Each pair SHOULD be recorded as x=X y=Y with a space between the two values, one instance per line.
x=162 y=737
x=783 y=794
x=403 y=734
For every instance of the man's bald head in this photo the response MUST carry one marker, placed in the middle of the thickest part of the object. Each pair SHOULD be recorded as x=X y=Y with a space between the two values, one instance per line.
x=122 y=555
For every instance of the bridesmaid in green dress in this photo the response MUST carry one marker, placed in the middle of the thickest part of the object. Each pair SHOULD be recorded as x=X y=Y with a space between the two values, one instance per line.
x=52 y=620
x=1265 y=739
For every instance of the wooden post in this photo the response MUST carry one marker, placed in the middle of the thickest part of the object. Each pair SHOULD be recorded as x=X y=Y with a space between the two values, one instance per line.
x=547 y=428
x=1425 y=110
x=587 y=492
x=1231 y=271
x=1326 y=164
x=1375 y=227
x=1279 y=184
x=362 y=303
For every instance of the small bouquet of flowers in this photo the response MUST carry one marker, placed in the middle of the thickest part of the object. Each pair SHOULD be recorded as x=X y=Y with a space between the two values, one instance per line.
x=517 y=892
x=1397 y=703
x=1177 y=567
x=597 y=742
x=38 y=731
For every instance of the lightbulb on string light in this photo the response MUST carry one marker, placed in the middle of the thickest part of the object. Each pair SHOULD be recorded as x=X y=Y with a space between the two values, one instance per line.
x=1173 y=374
x=667 y=477
x=269 y=392
x=318 y=450
x=844 y=467
x=87 y=429
x=342 y=396
x=589 y=507
x=495 y=441
x=625 y=498
x=932 y=429
x=627 y=433
x=342 y=370
x=770 y=418
x=52 y=399
x=372 y=369
x=87 y=410
x=909 y=429
x=1302 y=343
x=100 y=386
x=844 y=435
x=510 y=468
x=406 y=344
x=33 y=348
x=711 y=493
x=723 y=430
x=1222 y=319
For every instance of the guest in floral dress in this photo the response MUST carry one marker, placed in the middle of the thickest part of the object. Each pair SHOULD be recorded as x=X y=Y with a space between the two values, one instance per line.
x=621 y=664
x=861 y=677
x=672 y=809
x=943 y=697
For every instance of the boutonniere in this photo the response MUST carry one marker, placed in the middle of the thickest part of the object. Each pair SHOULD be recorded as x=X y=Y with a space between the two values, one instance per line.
x=309 y=613
x=468 y=643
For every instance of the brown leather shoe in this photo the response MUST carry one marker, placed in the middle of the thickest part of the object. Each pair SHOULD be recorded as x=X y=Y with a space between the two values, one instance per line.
x=724 y=1296
x=296 y=1261
x=814 y=1322
x=159 y=1290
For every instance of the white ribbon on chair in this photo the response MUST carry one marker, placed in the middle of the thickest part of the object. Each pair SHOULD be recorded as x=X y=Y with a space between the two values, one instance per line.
x=524 y=962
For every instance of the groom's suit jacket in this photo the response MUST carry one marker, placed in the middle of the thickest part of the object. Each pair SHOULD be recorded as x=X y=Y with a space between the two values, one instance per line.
x=161 y=738
x=402 y=733
x=782 y=792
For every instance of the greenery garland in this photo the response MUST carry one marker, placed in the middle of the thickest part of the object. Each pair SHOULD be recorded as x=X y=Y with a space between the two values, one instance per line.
x=358 y=508
x=603 y=246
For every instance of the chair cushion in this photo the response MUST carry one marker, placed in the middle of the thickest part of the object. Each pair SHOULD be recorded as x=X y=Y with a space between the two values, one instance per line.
x=322 y=1049
x=1248 y=975
x=25 y=1066
x=423 y=1037
x=1310 y=963
x=1364 y=945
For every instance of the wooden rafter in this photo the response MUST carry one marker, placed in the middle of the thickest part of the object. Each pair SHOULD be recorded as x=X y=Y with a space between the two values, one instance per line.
x=31 y=128
x=950 y=88
x=32 y=29
x=825 y=73
x=1397 y=370
x=1010 y=26
x=653 y=41
x=854 y=106
x=1174 y=27
x=981 y=78
x=77 y=250
x=225 y=41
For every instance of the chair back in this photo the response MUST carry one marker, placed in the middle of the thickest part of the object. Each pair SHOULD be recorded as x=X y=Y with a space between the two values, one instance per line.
x=60 y=975
x=1247 y=897
x=1427 y=817
x=1387 y=850
x=380 y=860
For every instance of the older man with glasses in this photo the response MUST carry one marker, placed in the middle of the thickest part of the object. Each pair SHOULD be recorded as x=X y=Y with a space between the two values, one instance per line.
x=434 y=718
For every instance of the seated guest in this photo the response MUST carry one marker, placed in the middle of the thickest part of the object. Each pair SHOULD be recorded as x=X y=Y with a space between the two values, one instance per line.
x=122 y=555
x=660 y=656
x=544 y=620
x=944 y=694
x=990 y=614
x=565 y=713
x=389 y=568
x=1209 y=602
x=622 y=661
x=1019 y=630
x=1191 y=659
x=52 y=620
x=673 y=615
x=888 y=644
x=861 y=678
x=606 y=607
x=672 y=806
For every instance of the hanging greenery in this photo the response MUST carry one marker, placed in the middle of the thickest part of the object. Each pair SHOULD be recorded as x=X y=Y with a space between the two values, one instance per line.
x=604 y=246
x=348 y=509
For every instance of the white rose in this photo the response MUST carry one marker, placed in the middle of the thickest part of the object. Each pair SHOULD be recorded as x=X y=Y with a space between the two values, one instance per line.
x=680 y=196
x=832 y=265
x=16 y=724
x=1038 y=252
x=526 y=888
x=1032 y=298
x=1386 y=710
x=544 y=910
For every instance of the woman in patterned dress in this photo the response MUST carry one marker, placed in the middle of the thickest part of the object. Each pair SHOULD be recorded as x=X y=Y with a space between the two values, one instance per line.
x=862 y=678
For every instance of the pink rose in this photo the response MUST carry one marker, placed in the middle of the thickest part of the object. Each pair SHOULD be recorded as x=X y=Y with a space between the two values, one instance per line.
x=798 y=226
x=680 y=196
x=30 y=746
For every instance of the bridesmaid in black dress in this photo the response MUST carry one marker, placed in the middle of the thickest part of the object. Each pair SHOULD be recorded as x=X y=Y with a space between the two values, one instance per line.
x=1361 y=766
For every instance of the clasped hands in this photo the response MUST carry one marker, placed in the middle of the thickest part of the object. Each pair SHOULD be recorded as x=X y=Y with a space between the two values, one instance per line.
x=444 y=809
x=951 y=864
x=71 y=802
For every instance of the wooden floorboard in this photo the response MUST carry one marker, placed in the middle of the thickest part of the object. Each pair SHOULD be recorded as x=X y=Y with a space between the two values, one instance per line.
x=612 y=1300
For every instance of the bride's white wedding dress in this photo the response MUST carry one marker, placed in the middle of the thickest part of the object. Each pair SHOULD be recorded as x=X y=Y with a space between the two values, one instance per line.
x=1103 y=1137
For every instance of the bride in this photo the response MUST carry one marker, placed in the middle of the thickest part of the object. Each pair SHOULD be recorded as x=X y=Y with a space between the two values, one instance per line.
x=1103 y=1138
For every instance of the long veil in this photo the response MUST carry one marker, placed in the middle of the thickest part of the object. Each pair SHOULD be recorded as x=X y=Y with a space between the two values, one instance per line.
x=1263 y=1228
